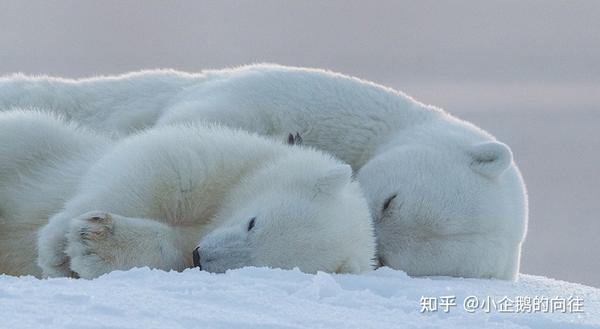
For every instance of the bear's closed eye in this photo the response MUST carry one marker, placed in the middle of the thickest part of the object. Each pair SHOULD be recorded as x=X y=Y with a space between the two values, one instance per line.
x=251 y=223
x=388 y=202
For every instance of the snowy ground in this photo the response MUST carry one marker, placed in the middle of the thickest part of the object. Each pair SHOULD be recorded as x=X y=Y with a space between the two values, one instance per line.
x=266 y=298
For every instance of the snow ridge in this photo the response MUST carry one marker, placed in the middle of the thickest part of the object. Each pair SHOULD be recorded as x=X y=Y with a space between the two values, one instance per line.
x=272 y=298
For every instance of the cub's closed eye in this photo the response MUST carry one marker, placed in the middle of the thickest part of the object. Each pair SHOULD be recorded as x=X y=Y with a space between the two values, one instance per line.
x=388 y=202
x=251 y=223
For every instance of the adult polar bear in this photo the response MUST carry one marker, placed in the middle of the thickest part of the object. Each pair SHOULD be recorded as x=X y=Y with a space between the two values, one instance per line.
x=447 y=198
x=249 y=200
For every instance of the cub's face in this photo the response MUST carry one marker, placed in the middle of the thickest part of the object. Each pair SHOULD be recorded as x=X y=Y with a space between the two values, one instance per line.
x=313 y=230
x=277 y=233
x=434 y=209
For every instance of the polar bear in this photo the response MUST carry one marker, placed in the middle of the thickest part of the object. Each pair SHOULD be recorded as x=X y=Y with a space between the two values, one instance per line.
x=173 y=197
x=41 y=162
x=446 y=196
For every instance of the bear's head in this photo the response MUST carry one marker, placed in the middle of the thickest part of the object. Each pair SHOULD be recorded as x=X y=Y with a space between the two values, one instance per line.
x=447 y=200
x=302 y=211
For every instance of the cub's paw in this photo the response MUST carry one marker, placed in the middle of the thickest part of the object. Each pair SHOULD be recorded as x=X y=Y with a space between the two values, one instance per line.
x=91 y=244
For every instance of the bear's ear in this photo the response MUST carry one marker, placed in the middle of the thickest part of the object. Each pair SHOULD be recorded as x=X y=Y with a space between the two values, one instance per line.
x=491 y=158
x=334 y=179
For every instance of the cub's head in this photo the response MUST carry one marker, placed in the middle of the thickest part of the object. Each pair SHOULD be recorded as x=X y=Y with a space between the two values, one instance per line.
x=303 y=211
x=451 y=207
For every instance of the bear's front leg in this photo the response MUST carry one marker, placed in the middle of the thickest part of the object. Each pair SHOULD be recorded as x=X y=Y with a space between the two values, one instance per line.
x=51 y=246
x=100 y=242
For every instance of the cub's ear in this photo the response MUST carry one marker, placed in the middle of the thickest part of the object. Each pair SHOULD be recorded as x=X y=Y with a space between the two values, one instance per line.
x=334 y=179
x=294 y=139
x=490 y=159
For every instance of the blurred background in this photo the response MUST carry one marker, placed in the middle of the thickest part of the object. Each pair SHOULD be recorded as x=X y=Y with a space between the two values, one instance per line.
x=526 y=71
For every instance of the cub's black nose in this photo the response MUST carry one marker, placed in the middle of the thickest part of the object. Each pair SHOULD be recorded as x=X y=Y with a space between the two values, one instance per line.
x=196 y=258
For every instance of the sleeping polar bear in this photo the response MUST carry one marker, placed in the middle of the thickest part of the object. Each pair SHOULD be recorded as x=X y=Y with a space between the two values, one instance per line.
x=172 y=197
x=446 y=197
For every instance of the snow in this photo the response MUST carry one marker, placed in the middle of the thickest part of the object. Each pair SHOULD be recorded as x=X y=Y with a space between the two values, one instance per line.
x=272 y=298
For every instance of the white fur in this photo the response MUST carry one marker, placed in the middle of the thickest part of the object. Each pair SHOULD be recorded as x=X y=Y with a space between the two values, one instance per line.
x=152 y=198
x=461 y=205
x=41 y=160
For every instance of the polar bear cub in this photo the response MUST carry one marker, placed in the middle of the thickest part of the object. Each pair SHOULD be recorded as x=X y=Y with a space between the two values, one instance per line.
x=174 y=196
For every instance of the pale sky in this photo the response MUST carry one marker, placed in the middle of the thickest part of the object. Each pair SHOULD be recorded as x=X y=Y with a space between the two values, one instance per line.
x=468 y=41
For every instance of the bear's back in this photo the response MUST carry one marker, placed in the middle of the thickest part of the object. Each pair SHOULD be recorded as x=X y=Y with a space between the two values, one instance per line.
x=43 y=158
x=174 y=174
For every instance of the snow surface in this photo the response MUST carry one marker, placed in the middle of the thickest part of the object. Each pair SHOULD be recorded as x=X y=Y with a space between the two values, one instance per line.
x=271 y=298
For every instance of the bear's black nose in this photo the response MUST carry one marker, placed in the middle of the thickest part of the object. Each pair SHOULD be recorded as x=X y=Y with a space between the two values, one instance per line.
x=196 y=258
